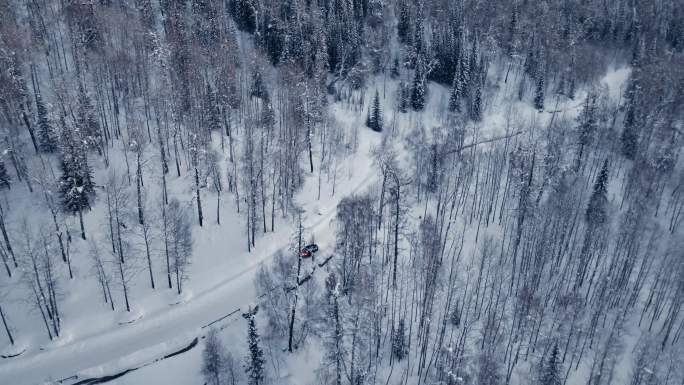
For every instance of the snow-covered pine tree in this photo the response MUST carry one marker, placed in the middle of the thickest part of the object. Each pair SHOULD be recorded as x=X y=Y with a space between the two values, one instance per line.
x=258 y=89
x=630 y=131
x=5 y=179
x=75 y=185
x=254 y=365
x=212 y=114
x=404 y=23
x=376 y=116
x=243 y=12
x=399 y=348
x=539 y=90
x=403 y=94
x=455 y=317
x=47 y=140
x=394 y=71
x=206 y=23
x=476 y=103
x=418 y=91
x=551 y=370
x=596 y=214
x=456 y=91
x=418 y=43
x=587 y=124
x=464 y=69
x=87 y=122
x=369 y=118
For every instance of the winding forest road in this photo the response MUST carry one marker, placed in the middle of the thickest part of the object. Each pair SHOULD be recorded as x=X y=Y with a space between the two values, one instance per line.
x=156 y=335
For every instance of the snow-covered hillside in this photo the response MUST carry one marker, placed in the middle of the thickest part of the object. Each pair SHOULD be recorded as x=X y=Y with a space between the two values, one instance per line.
x=494 y=189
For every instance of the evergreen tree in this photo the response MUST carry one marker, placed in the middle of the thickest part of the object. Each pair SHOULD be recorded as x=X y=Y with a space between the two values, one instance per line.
x=147 y=14
x=587 y=123
x=455 y=317
x=630 y=131
x=434 y=170
x=394 y=71
x=530 y=64
x=87 y=122
x=596 y=213
x=464 y=73
x=445 y=51
x=268 y=118
x=206 y=26
x=572 y=87
x=418 y=46
x=243 y=12
x=376 y=117
x=399 y=348
x=551 y=371
x=476 y=104
x=258 y=87
x=512 y=31
x=474 y=57
x=255 y=360
x=404 y=23
x=539 y=92
x=4 y=177
x=456 y=92
x=403 y=95
x=47 y=140
x=212 y=114
x=418 y=91
x=75 y=184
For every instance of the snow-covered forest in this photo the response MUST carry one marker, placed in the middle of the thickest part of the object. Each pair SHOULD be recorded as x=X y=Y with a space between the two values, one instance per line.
x=342 y=192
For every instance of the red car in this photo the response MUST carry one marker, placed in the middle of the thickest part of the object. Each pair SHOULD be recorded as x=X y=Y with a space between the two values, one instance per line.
x=308 y=250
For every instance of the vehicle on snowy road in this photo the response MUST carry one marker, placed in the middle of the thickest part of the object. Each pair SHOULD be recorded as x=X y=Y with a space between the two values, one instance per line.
x=308 y=250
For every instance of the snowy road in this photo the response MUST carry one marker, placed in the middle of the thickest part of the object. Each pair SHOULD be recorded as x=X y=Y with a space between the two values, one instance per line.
x=159 y=333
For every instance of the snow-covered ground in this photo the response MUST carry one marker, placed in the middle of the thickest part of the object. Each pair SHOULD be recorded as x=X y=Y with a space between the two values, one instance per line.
x=222 y=275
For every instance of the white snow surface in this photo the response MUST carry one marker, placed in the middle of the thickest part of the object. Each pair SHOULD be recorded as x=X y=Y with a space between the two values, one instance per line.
x=95 y=343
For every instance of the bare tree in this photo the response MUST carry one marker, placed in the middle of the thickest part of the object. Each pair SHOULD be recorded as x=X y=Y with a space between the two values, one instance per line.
x=178 y=238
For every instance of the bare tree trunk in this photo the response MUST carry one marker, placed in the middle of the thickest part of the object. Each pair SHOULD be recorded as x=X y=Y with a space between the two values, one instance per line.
x=5 y=237
x=124 y=285
x=27 y=123
x=199 y=202
x=166 y=245
x=4 y=260
x=296 y=290
x=7 y=329
x=80 y=220
x=138 y=187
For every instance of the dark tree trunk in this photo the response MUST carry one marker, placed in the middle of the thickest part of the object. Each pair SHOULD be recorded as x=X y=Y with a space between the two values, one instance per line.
x=138 y=186
x=30 y=129
x=5 y=237
x=80 y=220
x=199 y=202
x=7 y=329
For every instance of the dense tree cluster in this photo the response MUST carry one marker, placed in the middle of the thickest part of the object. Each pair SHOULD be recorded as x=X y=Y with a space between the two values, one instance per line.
x=476 y=253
